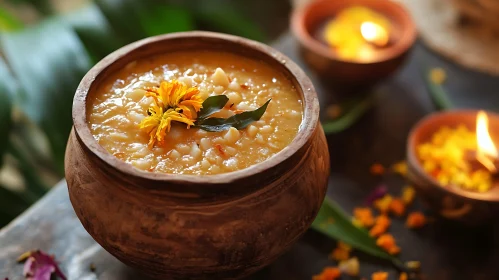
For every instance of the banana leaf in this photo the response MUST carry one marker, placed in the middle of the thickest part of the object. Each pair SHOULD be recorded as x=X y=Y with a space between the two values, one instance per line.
x=158 y=19
x=95 y=31
x=224 y=16
x=333 y=222
x=48 y=75
x=123 y=16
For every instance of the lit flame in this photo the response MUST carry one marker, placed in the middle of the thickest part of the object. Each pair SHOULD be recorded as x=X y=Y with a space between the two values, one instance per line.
x=486 y=150
x=374 y=33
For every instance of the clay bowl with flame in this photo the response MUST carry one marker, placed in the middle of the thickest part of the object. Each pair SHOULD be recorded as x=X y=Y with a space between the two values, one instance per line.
x=307 y=20
x=172 y=226
x=451 y=202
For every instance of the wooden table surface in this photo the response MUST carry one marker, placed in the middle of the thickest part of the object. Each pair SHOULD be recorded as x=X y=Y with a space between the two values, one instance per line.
x=446 y=250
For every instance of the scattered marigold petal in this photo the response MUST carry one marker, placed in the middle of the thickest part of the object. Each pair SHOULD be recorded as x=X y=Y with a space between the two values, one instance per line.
x=383 y=204
x=397 y=207
x=413 y=265
x=333 y=111
x=329 y=273
x=350 y=267
x=408 y=194
x=387 y=243
x=377 y=169
x=381 y=225
x=341 y=252
x=416 y=220
x=438 y=76
x=400 y=168
x=380 y=275
x=364 y=216
x=344 y=246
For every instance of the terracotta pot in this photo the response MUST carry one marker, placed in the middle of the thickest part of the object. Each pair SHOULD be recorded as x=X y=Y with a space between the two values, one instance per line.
x=197 y=227
x=451 y=202
x=346 y=74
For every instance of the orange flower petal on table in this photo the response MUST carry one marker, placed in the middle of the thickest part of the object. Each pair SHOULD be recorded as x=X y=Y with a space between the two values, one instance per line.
x=387 y=243
x=408 y=194
x=397 y=207
x=329 y=273
x=381 y=225
x=341 y=252
x=383 y=204
x=364 y=216
x=416 y=220
x=377 y=169
x=380 y=275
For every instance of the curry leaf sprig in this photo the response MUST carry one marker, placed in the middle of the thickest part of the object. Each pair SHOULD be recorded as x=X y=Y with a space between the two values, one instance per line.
x=214 y=104
x=176 y=102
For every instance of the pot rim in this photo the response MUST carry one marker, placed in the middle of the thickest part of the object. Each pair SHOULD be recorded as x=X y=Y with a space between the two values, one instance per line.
x=298 y=77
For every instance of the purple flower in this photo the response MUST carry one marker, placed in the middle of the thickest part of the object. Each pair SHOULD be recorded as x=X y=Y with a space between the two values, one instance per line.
x=40 y=266
x=376 y=194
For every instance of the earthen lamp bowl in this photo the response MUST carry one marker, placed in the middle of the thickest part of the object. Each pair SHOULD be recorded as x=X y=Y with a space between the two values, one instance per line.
x=325 y=62
x=221 y=226
x=451 y=202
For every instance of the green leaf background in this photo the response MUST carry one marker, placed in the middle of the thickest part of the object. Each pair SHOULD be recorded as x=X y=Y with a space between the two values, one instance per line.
x=41 y=65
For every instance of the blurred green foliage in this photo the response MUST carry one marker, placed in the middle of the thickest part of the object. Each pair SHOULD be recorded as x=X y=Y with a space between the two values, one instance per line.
x=41 y=65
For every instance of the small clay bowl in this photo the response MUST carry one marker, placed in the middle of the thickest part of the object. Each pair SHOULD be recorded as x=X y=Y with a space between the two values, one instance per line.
x=451 y=202
x=306 y=20
x=172 y=226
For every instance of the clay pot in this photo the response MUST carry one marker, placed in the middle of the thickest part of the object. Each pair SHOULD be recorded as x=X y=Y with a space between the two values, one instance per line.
x=221 y=226
x=451 y=202
x=346 y=74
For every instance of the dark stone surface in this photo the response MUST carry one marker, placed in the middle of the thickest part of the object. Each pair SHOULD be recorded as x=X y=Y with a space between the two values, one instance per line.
x=446 y=250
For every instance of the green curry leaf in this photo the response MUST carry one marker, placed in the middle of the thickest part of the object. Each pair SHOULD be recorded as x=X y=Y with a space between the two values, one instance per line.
x=212 y=105
x=238 y=121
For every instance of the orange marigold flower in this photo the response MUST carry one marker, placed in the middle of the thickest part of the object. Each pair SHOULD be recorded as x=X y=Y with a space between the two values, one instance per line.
x=383 y=204
x=329 y=273
x=416 y=220
x=341 y=252
x=387 y=242
x=397 y=207
x=377 y=169
x=381 y=225
x=403 y=276
x=364 y=216
x=173 y=101
x=380 y=275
